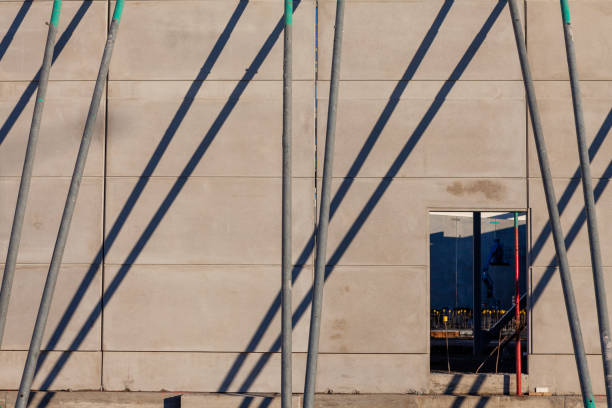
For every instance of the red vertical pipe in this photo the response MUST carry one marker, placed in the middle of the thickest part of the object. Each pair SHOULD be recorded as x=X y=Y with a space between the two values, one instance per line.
x=517 y=300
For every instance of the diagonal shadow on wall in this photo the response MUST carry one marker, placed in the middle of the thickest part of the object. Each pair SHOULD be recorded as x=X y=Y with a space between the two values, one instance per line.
x=383 y=185
x=33 y=85
x=12 y=30
x=572 y=233
x=157 y=156
x=399 y=161
x=307 y=251
x=170 y=198
x=459 y=69
x=175 y=190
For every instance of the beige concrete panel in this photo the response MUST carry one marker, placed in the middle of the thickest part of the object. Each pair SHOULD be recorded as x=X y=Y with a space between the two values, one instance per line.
x=141 y=114
x=558 y=373
x=45 y=206
x=373 y=373
x=25 y=297
x=477 y=130
x=360 y=303
x=206 y=372
x=233 y=401
x=200 y=308
x=556 y=110
x=61 y=130
x=573 y=222
x=550 y=330
x=384 y=221
x=81 y=370
x=78 y=60
x=591 y=32
x=382 y=38
x=189 y=34
x=218 y=220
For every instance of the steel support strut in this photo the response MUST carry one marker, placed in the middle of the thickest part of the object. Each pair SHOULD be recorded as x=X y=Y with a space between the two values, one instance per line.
x=62 y=235
x=28 y=164
x=553 y=212
x=321 y=238
x=589 y=201
x=286 y=325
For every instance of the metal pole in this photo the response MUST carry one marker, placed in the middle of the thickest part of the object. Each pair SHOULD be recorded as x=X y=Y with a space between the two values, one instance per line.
x=589 y=200
x=62 y=235
x=517 y=302
x=320 y=256
x=477 y=302
x=28 y=164
x=553 y=212
x=287 y=326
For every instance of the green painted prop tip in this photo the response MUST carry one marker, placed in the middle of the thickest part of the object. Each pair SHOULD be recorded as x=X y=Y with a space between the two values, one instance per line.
x=39 y=100
x=118 y=10
x=565 y=11
x=57 y=6
x=288 y=12
x=516 y=219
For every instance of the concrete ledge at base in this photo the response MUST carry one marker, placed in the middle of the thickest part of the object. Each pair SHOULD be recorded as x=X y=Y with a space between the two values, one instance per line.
x=475 y=384
x=235 y=401
x=99 y=399
x=384 y=401
x=95 y=399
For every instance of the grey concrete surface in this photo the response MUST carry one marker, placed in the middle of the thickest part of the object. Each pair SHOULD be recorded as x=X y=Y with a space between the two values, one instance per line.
x=552 y=335
x=573 y=223
x=547 y=55
x=189 y=37
x=214 y=220
x=557 y=372
x=554 y=100
x=81 y=371
x=140 y=113
x=196 y=308
x=45 y=205
x=27 y=289
x=385 y=312
x=189 y=284
x=79 y=59
x=395 y=230
x=61 y=130
x=472 y=134
x=342 y=373
x=400 y=26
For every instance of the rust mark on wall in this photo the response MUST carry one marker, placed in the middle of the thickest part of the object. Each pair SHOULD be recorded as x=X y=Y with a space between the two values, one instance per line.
x=491 y=189
x=338 y=329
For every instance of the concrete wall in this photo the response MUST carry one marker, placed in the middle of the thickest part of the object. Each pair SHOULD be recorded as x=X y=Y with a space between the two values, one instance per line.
x=171 y=274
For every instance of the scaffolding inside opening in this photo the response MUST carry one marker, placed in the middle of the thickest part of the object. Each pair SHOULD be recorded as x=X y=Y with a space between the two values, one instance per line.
x=454 y=273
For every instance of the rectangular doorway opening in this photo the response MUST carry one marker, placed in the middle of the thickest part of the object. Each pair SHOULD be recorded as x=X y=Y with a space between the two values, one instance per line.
x=472 y=275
